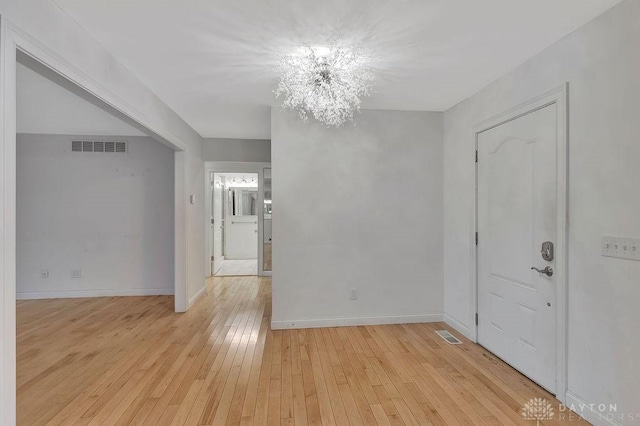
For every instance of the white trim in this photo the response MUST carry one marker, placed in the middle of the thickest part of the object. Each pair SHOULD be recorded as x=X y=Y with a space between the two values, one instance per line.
x=558 y=96
x=457 y=326
x=242 y=256
x=197 y=296
x=208 y=214
x=239 y=167
x=215 y=270
x=222 y=259
x=180 y=242
x=8 y=223
x=71 y=294
x=590 y=415
x=343 y=322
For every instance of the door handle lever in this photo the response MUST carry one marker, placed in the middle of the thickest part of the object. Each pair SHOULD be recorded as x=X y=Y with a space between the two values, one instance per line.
x=548 y=271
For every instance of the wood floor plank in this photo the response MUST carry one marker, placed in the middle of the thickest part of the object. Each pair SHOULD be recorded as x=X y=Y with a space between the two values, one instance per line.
x=133 y=361
x=286 y=395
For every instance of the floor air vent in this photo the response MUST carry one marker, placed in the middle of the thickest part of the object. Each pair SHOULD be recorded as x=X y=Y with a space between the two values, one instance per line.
x=450 y=338
x=98 y=146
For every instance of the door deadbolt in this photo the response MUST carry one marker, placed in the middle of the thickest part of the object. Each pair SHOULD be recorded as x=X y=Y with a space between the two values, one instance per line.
x=547 y=251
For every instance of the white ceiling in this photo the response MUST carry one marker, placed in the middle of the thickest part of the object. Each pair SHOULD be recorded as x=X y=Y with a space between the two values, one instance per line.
x=212 y=60
x=44 y=107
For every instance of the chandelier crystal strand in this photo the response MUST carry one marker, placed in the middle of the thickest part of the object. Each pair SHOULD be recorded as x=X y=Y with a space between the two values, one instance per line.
x=327 y=86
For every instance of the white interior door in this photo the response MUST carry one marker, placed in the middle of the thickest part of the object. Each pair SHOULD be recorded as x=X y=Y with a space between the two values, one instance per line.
x=517 y=211
x=218 y=226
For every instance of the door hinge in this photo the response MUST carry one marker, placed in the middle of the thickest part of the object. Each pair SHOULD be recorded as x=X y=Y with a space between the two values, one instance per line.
x=476 y=318
x=212 y=258
x=476 y=156
x=476 y=238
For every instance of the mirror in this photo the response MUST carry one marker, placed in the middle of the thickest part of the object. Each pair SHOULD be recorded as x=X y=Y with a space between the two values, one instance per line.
x=243 y=201
x=267 y=208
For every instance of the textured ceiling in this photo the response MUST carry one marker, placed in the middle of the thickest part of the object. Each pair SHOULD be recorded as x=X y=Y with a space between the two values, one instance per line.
x=212 y=60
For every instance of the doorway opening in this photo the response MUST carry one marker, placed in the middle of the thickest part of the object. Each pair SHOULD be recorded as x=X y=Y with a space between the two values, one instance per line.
x=235 y=211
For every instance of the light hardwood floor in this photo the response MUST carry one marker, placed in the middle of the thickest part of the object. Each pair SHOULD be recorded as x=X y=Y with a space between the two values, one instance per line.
x=118 y=361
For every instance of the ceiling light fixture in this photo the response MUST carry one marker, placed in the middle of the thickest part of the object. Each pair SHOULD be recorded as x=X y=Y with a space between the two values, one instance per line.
x=324 y=82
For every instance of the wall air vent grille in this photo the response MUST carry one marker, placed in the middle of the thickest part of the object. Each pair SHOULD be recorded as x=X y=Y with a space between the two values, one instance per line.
x=448 y=337
x=98 y=146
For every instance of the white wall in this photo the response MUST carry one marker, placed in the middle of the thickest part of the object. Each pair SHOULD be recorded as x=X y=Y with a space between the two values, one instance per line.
x=44 y=107
x=239 y=150
x=359 y=207
x=601 y=62
x=110 y=215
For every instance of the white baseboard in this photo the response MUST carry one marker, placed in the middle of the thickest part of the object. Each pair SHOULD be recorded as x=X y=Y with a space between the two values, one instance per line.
x=458 y=326
x=196 y=296
x=585 y=410
x=69 y=294
x=342 y=322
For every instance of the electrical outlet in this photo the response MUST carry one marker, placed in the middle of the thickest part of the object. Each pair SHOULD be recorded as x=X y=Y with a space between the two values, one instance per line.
x=621 y=247
x=76 y=273
x=354 y=293
x=44 y=274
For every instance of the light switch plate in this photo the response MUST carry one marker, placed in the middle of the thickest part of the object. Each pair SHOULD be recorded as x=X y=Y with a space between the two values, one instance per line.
x=621 y=247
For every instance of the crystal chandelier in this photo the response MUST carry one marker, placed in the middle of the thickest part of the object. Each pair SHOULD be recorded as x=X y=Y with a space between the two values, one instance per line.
x=326 y=83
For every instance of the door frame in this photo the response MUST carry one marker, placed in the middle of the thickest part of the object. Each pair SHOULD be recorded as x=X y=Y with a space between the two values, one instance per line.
x=209 y=209
x=559 y=97
x=239 y=167
x=210 y=198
